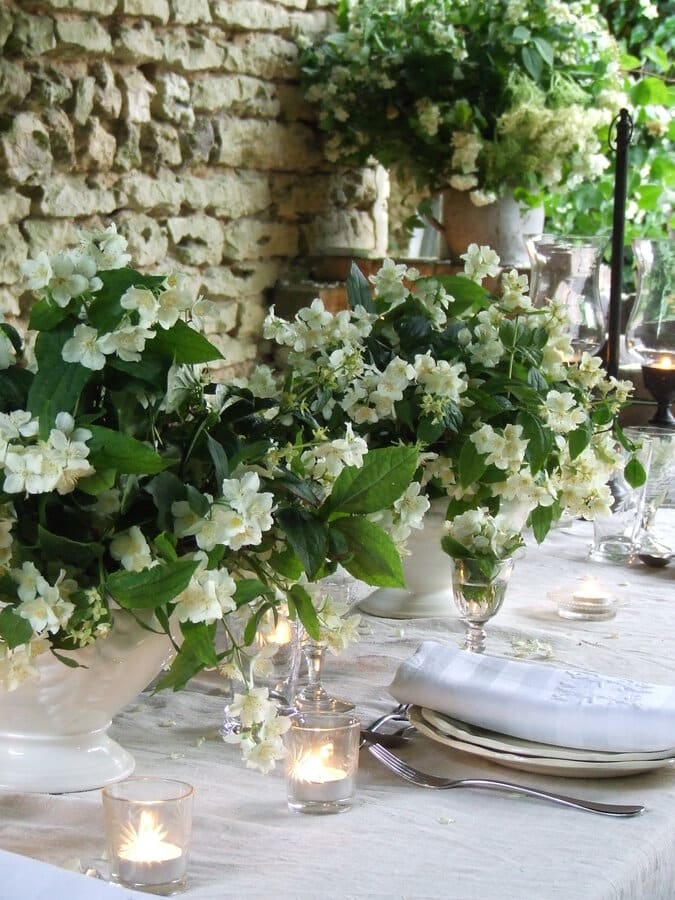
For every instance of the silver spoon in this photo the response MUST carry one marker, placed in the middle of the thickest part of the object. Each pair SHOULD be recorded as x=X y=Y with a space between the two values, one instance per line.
x=654 y=554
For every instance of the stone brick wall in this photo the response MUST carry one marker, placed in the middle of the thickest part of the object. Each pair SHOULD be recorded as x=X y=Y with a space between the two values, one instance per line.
x=181 y=121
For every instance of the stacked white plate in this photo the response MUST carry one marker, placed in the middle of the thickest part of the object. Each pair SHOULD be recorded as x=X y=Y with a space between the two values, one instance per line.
x=546 y=759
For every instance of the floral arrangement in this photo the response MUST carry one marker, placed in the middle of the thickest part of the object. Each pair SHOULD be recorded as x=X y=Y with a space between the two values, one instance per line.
x=480 y=97
x=512 y=430
x=128 y=479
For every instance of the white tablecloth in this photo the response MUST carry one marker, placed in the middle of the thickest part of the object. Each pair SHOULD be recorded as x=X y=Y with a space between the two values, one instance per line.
x=400 y=841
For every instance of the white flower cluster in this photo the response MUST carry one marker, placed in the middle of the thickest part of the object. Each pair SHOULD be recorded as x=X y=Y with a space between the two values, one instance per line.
x=406 y=514
x=484 y=534
x=48 y=608
x=73 y=274
x=326 y=460
x=34 y=466
x=236 y=519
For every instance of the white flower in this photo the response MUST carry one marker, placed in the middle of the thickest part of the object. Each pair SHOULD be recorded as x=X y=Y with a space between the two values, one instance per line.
x=131 y=549
x=66 y=282
x=208 y=597
x=106 y=247
x=16 y=667
x=253 y=707
x=561 y=412
x=172 y=302
x=16 y=424
x=38 y=271
x=142 y=301
x=128 y=342
x=480 y=262
x=84 y=347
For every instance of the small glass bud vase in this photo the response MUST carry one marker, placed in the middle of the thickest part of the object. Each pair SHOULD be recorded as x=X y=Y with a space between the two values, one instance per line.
x=479 y=587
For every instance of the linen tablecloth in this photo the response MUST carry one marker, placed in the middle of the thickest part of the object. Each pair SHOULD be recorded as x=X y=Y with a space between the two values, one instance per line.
x=400 y=841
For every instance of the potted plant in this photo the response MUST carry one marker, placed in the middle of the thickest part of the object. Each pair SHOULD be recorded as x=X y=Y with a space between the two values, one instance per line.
x=489 y=100
x=511 y=431
x=136 y=499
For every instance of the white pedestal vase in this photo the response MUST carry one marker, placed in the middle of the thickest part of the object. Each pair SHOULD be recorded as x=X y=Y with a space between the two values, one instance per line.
x=428 y=576
x=53 y=732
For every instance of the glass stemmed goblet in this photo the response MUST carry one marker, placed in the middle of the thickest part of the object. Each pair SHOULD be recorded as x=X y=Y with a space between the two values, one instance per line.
x=336 y=593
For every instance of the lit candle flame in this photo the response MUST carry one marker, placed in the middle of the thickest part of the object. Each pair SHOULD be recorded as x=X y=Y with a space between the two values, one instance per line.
x=313 y=766
x=147 y=844
x=281 y=634
x=664 y=363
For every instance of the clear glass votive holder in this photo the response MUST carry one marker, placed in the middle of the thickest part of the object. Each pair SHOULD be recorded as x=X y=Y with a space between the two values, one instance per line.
x=322 y=759
x=148 y=823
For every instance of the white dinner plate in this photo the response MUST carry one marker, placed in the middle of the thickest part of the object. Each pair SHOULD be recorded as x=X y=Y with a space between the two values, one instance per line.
x=507 y=743
x=564 y=768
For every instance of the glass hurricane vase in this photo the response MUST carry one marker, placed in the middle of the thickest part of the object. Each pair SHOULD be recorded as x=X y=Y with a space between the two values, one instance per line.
x=479 y=587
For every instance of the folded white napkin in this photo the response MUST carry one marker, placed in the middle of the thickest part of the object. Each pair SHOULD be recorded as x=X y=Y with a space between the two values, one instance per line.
x=537 y=702
x=23 y=878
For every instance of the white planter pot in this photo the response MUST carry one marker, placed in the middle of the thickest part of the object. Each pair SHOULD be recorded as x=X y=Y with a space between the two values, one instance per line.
x=428 y=576
x=53 y=731
x=503 y=226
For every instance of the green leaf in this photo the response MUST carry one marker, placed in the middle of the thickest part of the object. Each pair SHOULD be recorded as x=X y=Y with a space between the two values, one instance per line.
x=111 y=449
x=297 y=487
x=165 y=490
x=429 y=430
x=14 y=629
x=218 y=457
x=545 y=50
x=470 y=465
x=532 y=62
x=539 y=440
x=287 y=564
x=98 y=482
x=195 y=653
x=579 y=439
x=55 y=546
x=453 y=548
x=14 y=387
x=199 y=504
x=57 y=385
x=183 y=345
x=165 y=545
x=383 y=477
x=307 y=535
x=634 y=473
x=649 y=92
x=299 y=599
x=374 y=558
x=45 y=315
x=466 y=293
x=151 y=587
x=358 y=290
x=249 y=589
x=541 y=519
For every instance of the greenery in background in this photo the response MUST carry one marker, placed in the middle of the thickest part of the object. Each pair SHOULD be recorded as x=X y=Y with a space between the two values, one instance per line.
x=646 y=31
x=481 y=97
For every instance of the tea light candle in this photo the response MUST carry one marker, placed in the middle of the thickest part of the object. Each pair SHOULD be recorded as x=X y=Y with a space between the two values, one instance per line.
x=316 y=779
x=148 y=824
x=145 y=857
x=281 y=634
x=322 y=757
x=590 y=600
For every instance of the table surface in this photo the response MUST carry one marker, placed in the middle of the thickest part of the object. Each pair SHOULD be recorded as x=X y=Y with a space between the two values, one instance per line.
x=398 y=840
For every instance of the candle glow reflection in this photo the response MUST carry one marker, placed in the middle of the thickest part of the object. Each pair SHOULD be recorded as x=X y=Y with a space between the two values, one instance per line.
x=147 y=844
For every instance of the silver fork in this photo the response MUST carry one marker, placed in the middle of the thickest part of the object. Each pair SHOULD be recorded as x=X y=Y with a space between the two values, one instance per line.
x=402 y=769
